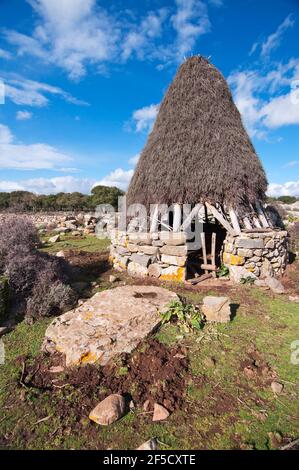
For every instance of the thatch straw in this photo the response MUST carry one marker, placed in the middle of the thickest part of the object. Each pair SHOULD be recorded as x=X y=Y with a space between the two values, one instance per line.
x=198 y=150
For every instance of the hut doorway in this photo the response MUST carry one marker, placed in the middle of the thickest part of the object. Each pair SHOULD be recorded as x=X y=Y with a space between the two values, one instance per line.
x=205 y=259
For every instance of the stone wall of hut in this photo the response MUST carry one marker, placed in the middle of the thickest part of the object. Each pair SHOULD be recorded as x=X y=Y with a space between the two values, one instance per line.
x=164 y=255
x=261 y=253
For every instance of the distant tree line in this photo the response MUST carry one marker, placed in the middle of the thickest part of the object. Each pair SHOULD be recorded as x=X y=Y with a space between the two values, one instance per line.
x=24 y=201
x=284 y=199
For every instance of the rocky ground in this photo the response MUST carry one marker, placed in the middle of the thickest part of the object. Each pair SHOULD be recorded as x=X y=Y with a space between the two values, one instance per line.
x=229 y=386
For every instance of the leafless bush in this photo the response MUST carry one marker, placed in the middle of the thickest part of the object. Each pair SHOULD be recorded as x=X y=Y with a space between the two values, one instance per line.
x=38 y=280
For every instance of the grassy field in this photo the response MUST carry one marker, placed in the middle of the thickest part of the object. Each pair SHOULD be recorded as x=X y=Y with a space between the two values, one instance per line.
x=227 y=400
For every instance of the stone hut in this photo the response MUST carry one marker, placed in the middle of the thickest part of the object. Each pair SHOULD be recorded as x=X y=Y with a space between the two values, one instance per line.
x=204 y=190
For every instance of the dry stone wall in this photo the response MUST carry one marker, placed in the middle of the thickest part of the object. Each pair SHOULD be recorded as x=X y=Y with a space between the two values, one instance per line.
x=261 y=253
x=162 y=255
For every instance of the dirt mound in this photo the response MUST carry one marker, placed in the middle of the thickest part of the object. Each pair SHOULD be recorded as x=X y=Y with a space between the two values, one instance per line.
x=256 y=368
x=156 y=374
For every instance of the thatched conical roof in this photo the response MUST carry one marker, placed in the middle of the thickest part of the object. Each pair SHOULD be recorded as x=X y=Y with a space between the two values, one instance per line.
x=198 y=150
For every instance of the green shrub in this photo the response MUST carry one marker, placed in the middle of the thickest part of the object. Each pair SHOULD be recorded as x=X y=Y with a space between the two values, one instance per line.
x=188 y=317
x=4 y=297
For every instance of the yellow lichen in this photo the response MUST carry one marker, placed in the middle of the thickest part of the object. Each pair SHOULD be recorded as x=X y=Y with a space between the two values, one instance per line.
x=179 y=276
x=88 y=316
x=233 y=260
x=88 y=358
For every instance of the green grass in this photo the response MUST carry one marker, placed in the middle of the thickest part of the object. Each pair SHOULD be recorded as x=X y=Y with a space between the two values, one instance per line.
x=222 y=409
x=87 y=243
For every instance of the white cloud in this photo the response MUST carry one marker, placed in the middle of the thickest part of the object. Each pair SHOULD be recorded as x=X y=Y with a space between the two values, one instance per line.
x=144 y=118
x=134 y=160
x=5 y=54
x=267 y=100
x=22 y=91
x=23 y=115
x=139 y=39
x=18 y=156
x=6 y=136
x=291 y=188
x=119 y=178
x=69 y=33
x=78 y=34
x=273 y=41
x=190 y=21
x=280 y=111
x=67 y=184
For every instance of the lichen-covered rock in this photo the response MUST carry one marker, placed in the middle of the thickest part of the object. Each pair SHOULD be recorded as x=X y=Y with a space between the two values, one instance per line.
x=237 y=273
x=136 y=269
x=217 y=309
x=174 y=260
x=109 y=323
x=173 y=273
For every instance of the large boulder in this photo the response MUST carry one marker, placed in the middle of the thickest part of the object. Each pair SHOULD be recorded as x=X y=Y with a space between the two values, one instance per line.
x=109 y=323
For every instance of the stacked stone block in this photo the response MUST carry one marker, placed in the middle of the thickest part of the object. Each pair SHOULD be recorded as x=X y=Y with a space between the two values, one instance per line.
x=261 y=253
x=162 y=255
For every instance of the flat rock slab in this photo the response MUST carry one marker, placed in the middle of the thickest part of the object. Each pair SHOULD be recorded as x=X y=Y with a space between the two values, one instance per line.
x=109 y=323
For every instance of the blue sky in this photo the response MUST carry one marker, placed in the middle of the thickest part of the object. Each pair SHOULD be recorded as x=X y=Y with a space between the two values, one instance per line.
x=83 y=80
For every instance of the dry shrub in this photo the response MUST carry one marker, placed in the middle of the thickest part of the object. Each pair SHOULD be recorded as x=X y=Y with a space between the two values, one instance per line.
x=39 y=281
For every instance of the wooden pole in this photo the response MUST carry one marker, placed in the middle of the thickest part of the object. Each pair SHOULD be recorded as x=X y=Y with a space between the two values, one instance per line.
x=204 y=250
x=234 y=220
x=214 y=251
x=177 y=217
x=221 y=219
x=262 y=215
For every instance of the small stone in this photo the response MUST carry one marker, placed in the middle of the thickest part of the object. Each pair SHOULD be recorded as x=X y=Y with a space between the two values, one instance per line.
x=149 y=445
x=148 y=249
x=136 y=269
x=109 y=410
x=174 y=250
x=294 y=298
x=210 y=362
x=56 y=369
x=54 y=239
x=275 y=285
x=154 y=270
x=245 y=253
x=174 y=260
x=143 y=260
x=160 y=413
x=237 y=273
x=249 y=243
x=112 y=278
x=60 y=254
x=277 y=387
x=216 y=309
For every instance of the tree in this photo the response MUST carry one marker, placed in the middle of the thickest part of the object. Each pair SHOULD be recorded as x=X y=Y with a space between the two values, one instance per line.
x=105 y=195
x=287 y=199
